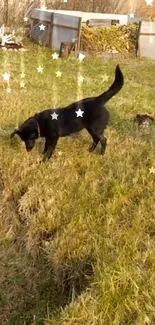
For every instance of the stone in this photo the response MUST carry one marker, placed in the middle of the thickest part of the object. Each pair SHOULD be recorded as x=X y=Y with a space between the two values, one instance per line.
x=22 y=49
x=3 y=48
x=114 y=51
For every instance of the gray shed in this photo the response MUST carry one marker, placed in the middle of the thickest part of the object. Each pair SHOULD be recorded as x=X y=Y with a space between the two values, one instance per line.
x=58 y=28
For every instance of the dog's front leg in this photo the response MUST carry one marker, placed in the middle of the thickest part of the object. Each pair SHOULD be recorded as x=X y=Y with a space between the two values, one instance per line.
x=103 y=141
x=50 y=145
x=46 y=146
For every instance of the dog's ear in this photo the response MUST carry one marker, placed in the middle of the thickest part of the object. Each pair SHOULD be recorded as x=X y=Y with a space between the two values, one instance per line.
x=16 y=131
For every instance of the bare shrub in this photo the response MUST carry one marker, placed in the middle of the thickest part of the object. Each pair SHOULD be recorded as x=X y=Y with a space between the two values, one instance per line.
x=13 y=11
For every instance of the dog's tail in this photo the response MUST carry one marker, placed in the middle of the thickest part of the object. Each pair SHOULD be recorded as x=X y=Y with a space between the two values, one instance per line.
x=115 y=87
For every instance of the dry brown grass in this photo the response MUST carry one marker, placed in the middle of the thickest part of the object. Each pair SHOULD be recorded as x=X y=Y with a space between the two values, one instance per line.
x=77 y=233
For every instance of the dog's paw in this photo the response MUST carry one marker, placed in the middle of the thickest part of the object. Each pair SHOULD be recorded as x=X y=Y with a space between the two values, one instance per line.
x=45 y=158
x=91 y=147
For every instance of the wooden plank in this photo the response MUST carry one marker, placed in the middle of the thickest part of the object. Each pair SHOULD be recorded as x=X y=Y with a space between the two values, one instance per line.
x=146 y=39
x=147 y=34
x=62 y=25
x=51 y=31
x=137 y=40
x=37 y=35
x=102 y=22
x=41 y=15
x=66 y=20
x=91 y=15
x=79 y=36
x=66 y=48
x=53 y=24
x=65 y=26
x=98 y=22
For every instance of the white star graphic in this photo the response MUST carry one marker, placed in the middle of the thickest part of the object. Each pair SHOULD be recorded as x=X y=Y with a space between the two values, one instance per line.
x=55 y=56
x=6 y=76
x=152 y=170
x=40 y=69
x=9 y=90
x=132 y=15
x=73 y=40
x=149 y=2
x=22 y=84
x=58 y=74
x=105 y=78
x=25 y=19
x=22 y=75
x=42 y=27
x=65 y=1
x=79 y=113
x=81 y=56
x=43 y=8
x=80 y=78
x=151 y=41
x=54 y=116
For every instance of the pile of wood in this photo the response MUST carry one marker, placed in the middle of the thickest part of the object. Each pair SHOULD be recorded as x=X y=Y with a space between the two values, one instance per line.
x=67 y=48
x=9 y=41
x=110 y=39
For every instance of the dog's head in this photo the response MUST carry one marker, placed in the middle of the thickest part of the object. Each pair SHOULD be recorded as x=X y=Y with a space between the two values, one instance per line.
x=28 y=132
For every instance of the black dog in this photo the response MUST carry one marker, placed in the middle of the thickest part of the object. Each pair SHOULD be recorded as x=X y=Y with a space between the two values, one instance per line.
x=88 y=113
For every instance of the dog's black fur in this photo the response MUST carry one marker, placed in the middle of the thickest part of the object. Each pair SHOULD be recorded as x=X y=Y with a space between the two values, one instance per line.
x=95 y=119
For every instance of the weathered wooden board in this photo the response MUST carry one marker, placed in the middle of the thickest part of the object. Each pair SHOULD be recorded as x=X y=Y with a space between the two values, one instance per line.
x=146 y=39
x=40 y=35
x=65 y=28
x=59 y=28
x=101 y=22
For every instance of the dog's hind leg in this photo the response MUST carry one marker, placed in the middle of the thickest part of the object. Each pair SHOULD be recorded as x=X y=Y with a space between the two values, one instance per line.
x=46 y=146
x=103 y=141
x=96 y=139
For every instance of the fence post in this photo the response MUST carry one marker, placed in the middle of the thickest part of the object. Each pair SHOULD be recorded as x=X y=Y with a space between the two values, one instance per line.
x=93 y=5
x=6 y=11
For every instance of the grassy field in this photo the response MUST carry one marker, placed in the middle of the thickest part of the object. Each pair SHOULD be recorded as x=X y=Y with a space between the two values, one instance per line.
x=77 y=234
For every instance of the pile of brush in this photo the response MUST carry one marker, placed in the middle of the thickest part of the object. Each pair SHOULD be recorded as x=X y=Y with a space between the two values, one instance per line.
x=115 y=39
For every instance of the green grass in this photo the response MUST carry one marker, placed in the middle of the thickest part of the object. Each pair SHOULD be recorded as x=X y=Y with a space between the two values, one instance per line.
x=77 y=233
